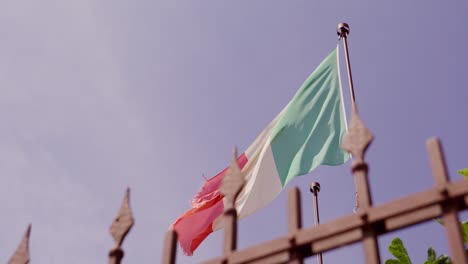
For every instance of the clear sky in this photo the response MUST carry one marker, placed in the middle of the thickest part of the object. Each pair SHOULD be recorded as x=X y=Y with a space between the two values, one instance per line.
x=99 y=95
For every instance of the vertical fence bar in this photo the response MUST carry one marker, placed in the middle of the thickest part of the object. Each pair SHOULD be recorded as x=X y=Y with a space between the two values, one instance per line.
x=370 y=241
x=21 y=255
x=230 y=231
x=120 y=228
x=232 y=184
x=450 y=215
x=294 y=223
x=357 y=140
x=116 y=255
x=294 y=210
x=170 y=247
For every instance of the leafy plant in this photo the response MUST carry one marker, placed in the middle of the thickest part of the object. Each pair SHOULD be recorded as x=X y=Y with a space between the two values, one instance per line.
x=398 y=250
x=463 y=172
x=433 y=259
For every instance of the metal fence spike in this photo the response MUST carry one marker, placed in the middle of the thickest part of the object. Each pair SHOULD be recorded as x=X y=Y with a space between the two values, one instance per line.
x=123 y=222
x=233 y=182
x=358 y=137
x=21 y=255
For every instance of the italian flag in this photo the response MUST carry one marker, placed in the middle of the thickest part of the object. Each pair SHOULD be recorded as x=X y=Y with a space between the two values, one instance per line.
x=305 y=134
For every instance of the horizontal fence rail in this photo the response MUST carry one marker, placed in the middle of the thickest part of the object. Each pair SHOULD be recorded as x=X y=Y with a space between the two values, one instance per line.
x=389 y=217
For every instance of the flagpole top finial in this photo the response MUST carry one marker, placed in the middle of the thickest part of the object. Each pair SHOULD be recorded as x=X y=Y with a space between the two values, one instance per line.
x=315 y=188
x=342 y=29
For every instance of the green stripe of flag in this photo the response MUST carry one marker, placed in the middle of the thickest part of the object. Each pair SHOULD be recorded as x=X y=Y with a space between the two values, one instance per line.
x=311 y=129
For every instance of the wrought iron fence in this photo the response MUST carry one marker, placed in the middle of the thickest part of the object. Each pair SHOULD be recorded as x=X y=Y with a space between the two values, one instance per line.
x=445 y=200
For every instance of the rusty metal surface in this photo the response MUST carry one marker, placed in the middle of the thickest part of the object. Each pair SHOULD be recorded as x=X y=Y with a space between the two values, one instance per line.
x=437 y=161
x=115 y=255
x=400 y=221
x=445 y=199
x=232 y=183
x=278 y=258
x=350 y=229
x=337 y=226
x=268 y=248
x=356 y=142
x=371 y=248
x=450 y=215
x=336 y=241
x=294 y=210
x=363 y=194
x=120 y=228
x=455 y=238
x=123 y=222
x=231 y=186
x=294 y=223
x=21 y=255
x=357 y=139
x=230 y=231
x=170 y=247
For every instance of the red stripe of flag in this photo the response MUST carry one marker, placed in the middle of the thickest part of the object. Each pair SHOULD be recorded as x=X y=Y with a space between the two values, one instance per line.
x=197 y=223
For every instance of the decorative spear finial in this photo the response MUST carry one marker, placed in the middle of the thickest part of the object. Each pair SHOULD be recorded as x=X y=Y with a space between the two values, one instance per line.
x=231 y=186
x=21 y=255
x=358 y=138
x=120 y=228
x=232 y=183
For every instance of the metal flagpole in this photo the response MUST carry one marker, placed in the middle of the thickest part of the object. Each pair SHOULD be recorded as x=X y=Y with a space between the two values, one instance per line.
x=343 y=31
x=315 y=189
x=356 y=141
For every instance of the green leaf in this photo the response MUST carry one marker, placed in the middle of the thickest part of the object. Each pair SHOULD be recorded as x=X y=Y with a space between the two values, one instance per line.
x=431 y=254
x=464 y=228
x=399 y=251
x=433 y=259
x=463 y=172
x=443 y=259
